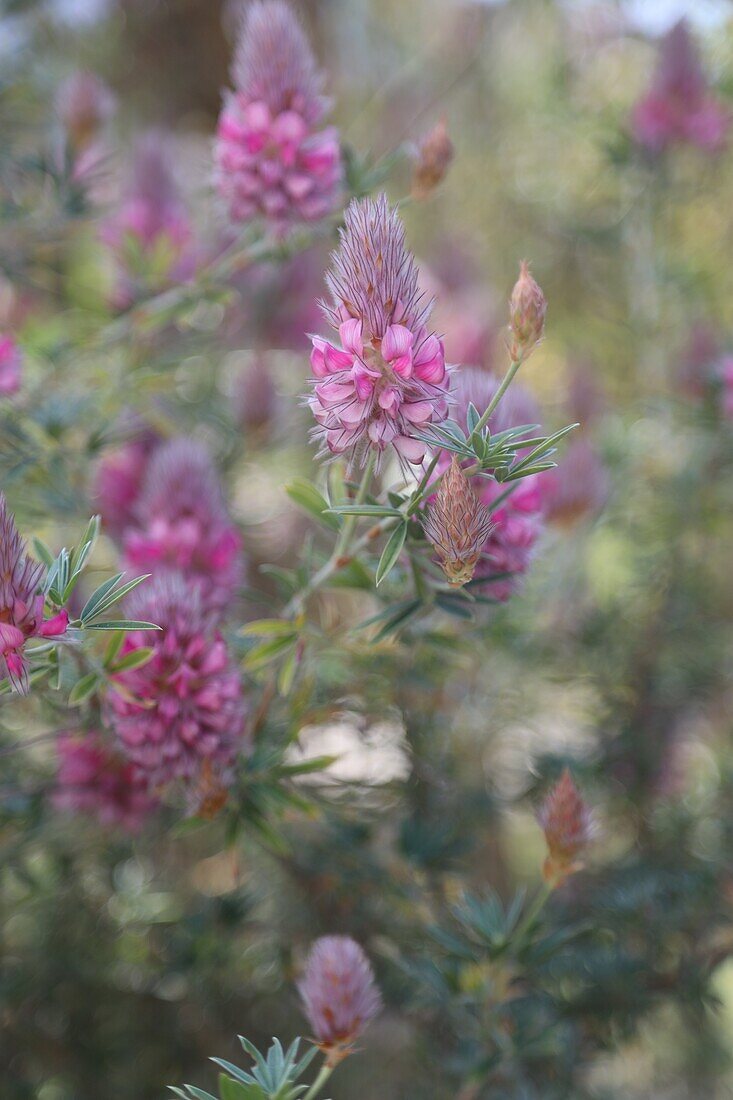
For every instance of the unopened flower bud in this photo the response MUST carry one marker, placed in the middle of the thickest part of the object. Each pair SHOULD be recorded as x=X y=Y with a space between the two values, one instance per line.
x=339 y=995
x=434 y=157
x=527 y=309
x=458 y=525
x=568 y=826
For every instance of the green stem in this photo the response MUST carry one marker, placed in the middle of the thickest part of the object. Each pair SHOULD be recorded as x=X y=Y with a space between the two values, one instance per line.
x=505 y=383
x=532 y=914
x=323 y=1076
x=347 y=531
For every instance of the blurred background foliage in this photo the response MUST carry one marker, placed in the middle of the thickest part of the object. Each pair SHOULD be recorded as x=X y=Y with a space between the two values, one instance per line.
x=127 y=962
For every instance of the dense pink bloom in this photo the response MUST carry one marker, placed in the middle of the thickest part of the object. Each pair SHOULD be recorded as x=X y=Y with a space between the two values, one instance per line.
x=181 y=523
x=150 y=233
x=578 y=487
x=118 y=482
x=180 y=716
x=568 y=826
x=93 y=780
x=339 y=995
x=21 y=603
x=519 y=519
x=11 y=366
x=678 y=107
x=386 y=380
x=271 y=160
x=83 y=103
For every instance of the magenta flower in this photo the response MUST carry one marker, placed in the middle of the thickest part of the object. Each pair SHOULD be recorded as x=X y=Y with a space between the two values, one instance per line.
x=339 y=994
x=180 y=716
x=21 y=603
x=11 y=366
x=518 y=520
x=150 y=234
x=678 y=107
x=386 y=380
x=271 y=161
x=181 y=524
x=578 y=487
x=91 y=779
x=118 y=482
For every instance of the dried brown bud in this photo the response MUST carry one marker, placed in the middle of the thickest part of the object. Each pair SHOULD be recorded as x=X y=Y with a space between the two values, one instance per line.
x=433 y=160
x=458 y=525
x=527 y=309
x=568 y=826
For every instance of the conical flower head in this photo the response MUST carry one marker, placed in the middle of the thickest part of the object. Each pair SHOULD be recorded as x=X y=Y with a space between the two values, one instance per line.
x=388 y=379
x=339 y=995
x=568 y=826
x=527 y=309
x=92 y=779
x=21 y=603
x=678 y=105
x=181 y=715
x=181 y=523
x=458 y=526
x=271 y=162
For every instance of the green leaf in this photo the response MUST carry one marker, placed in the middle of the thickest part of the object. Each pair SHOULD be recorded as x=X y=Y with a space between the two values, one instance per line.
x=101 y=601
x=366 y=510
x=122 y=624
x=307 y=497
x=263 y=654
x=42 y=552
x=263 y=628
x=83 y=688
x=114 y=645
x=235 y=1090
x=287 y=674
x=391 y=552
x=134 y=659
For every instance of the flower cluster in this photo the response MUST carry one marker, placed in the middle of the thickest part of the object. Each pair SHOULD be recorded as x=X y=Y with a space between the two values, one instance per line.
x=568 y=826
x=11 y=366
x=180 y=523
x=150 y=234
x=678 y=107
x=339 y=995
x=387 y=379
x=180 y=715
x=271 y=161
x=458 y=525
x=94 y=780
x=21 y=603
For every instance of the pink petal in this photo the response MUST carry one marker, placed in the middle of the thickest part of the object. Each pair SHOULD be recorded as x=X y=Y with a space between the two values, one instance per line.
x=411 y=449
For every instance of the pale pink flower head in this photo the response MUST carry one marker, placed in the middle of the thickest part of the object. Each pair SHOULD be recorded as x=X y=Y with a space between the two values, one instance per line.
x=578 y=487
x=568 y=825
x=678 y=107
x=11 y=366
x=93 y=779
x=84 y=104
x=181 y=523
x=518 y=519
x=118 y=481
x=386 y=380
x=271 y=160
x=21 y=603
x=180 y=716
x=150 y=234
x=339 y=994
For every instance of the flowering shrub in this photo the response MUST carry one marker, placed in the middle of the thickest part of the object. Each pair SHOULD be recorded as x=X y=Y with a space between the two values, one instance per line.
x=364 y=706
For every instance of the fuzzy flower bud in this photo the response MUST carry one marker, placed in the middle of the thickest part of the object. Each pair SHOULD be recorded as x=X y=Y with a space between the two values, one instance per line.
x=271 y=161
x=21 y=603
x=180 y=716
x=435 y=154
x=387 y=379
x=84 y=104
x=339 y=995
x=94 y=780
x=458 y=526
x=527 y=309
x=568 y=826
x=11 y=366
